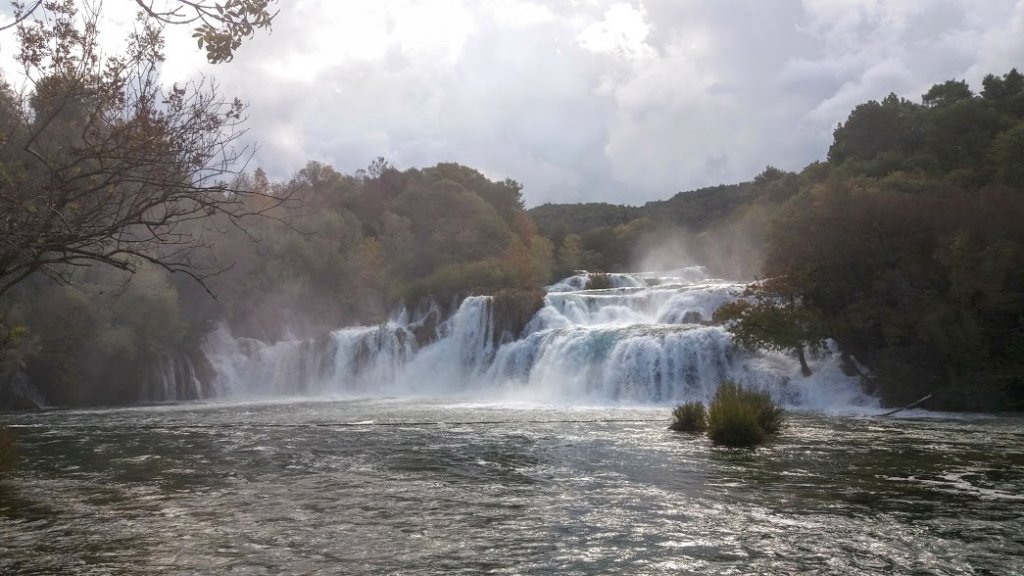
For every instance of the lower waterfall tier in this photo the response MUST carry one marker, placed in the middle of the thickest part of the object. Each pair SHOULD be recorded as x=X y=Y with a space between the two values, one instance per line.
x=643 y=342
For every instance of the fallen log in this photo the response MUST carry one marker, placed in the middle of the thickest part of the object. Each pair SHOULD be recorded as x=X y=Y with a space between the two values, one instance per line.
x=911 y=405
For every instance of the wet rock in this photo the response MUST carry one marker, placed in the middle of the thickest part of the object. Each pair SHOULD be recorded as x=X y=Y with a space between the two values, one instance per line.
x=426 y=331
x=18 y=393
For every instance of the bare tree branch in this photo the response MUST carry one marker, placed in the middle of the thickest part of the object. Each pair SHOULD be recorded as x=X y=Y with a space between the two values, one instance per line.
x=101 y=163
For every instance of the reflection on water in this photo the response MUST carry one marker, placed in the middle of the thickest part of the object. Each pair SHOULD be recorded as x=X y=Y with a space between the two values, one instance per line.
x=376 y=487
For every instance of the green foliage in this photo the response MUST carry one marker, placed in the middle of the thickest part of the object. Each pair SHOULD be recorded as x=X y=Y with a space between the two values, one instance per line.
x=774 y=318
x=1007 y=155
x=453 y=280
x=556 y=221
x=689 y=417
x=721 y=227
x=770 y=416
x=570 y=256
x=354 y=247
x=221 y=26
x=921 y=287
x=740 y=418
x=95 y=341
x=1005 y=93
x=947 y=93
x=769 y=174
x=911 y=248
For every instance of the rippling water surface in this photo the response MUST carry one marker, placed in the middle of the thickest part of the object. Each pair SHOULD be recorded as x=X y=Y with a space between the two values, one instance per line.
x=379 y=487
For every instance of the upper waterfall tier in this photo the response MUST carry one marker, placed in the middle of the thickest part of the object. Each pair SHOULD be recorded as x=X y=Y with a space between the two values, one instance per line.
x=641 y=338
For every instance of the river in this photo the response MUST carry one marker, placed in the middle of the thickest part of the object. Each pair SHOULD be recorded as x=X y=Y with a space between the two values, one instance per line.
x=408 y=486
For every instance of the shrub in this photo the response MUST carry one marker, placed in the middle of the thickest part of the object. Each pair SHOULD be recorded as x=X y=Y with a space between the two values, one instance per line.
x=689 y=417
x=742 y=418
x=770 y=416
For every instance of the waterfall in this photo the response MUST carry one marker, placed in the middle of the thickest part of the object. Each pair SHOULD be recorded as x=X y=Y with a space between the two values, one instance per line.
x=645 y=339
x=350 y=361
x=174 y=379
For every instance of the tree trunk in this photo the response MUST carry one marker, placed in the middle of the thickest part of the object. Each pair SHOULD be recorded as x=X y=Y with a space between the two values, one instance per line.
x=804 y=368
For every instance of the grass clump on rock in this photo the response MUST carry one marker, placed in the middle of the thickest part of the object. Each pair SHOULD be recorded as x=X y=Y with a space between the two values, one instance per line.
x=741 y=418
x=689 y=417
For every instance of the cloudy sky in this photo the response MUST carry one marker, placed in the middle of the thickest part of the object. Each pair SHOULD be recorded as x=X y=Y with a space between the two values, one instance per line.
x=592 y=100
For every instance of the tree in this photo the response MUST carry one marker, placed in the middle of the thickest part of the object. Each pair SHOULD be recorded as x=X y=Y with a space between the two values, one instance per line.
x=220 y=27
x=949 y=92
x=101 y=163
x=773 y=318
x=1005 y=93
x=1007 y=154
x=876 y=128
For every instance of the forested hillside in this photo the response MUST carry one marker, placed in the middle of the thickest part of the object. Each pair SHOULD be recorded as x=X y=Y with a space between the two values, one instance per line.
x=910 y=243
x=722 y=227
x=343 y=249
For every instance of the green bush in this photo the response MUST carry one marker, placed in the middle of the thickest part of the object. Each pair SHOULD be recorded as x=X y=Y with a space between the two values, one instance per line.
x=741 y=418
x=8 y=452
x=689 y=417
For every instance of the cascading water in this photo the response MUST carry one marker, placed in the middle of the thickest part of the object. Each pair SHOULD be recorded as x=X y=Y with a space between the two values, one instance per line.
x=174 y=379
x=643 y=340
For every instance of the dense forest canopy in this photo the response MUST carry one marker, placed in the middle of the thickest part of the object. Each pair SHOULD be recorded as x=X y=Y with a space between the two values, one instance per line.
x=911 y=246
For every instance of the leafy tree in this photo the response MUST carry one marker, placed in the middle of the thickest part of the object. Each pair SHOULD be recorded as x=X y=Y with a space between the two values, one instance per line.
x=958 y=135
x=875 y=129
x=947 y=93
x=1005 y=93
x=773 y=318
x=570 y=255
x=769 y=174
x=220 y=27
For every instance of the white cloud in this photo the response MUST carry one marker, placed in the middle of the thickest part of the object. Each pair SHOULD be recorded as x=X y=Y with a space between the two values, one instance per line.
x=622 y=31
x=591 y=100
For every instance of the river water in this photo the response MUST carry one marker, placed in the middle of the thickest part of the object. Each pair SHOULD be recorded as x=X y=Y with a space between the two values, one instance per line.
x=400 y=486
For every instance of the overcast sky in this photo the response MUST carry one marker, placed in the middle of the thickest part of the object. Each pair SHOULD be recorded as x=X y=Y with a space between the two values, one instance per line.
x=592 y=100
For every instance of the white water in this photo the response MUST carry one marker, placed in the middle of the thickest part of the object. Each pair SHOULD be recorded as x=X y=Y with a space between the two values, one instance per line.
x=173 y=378
x=640 y=342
